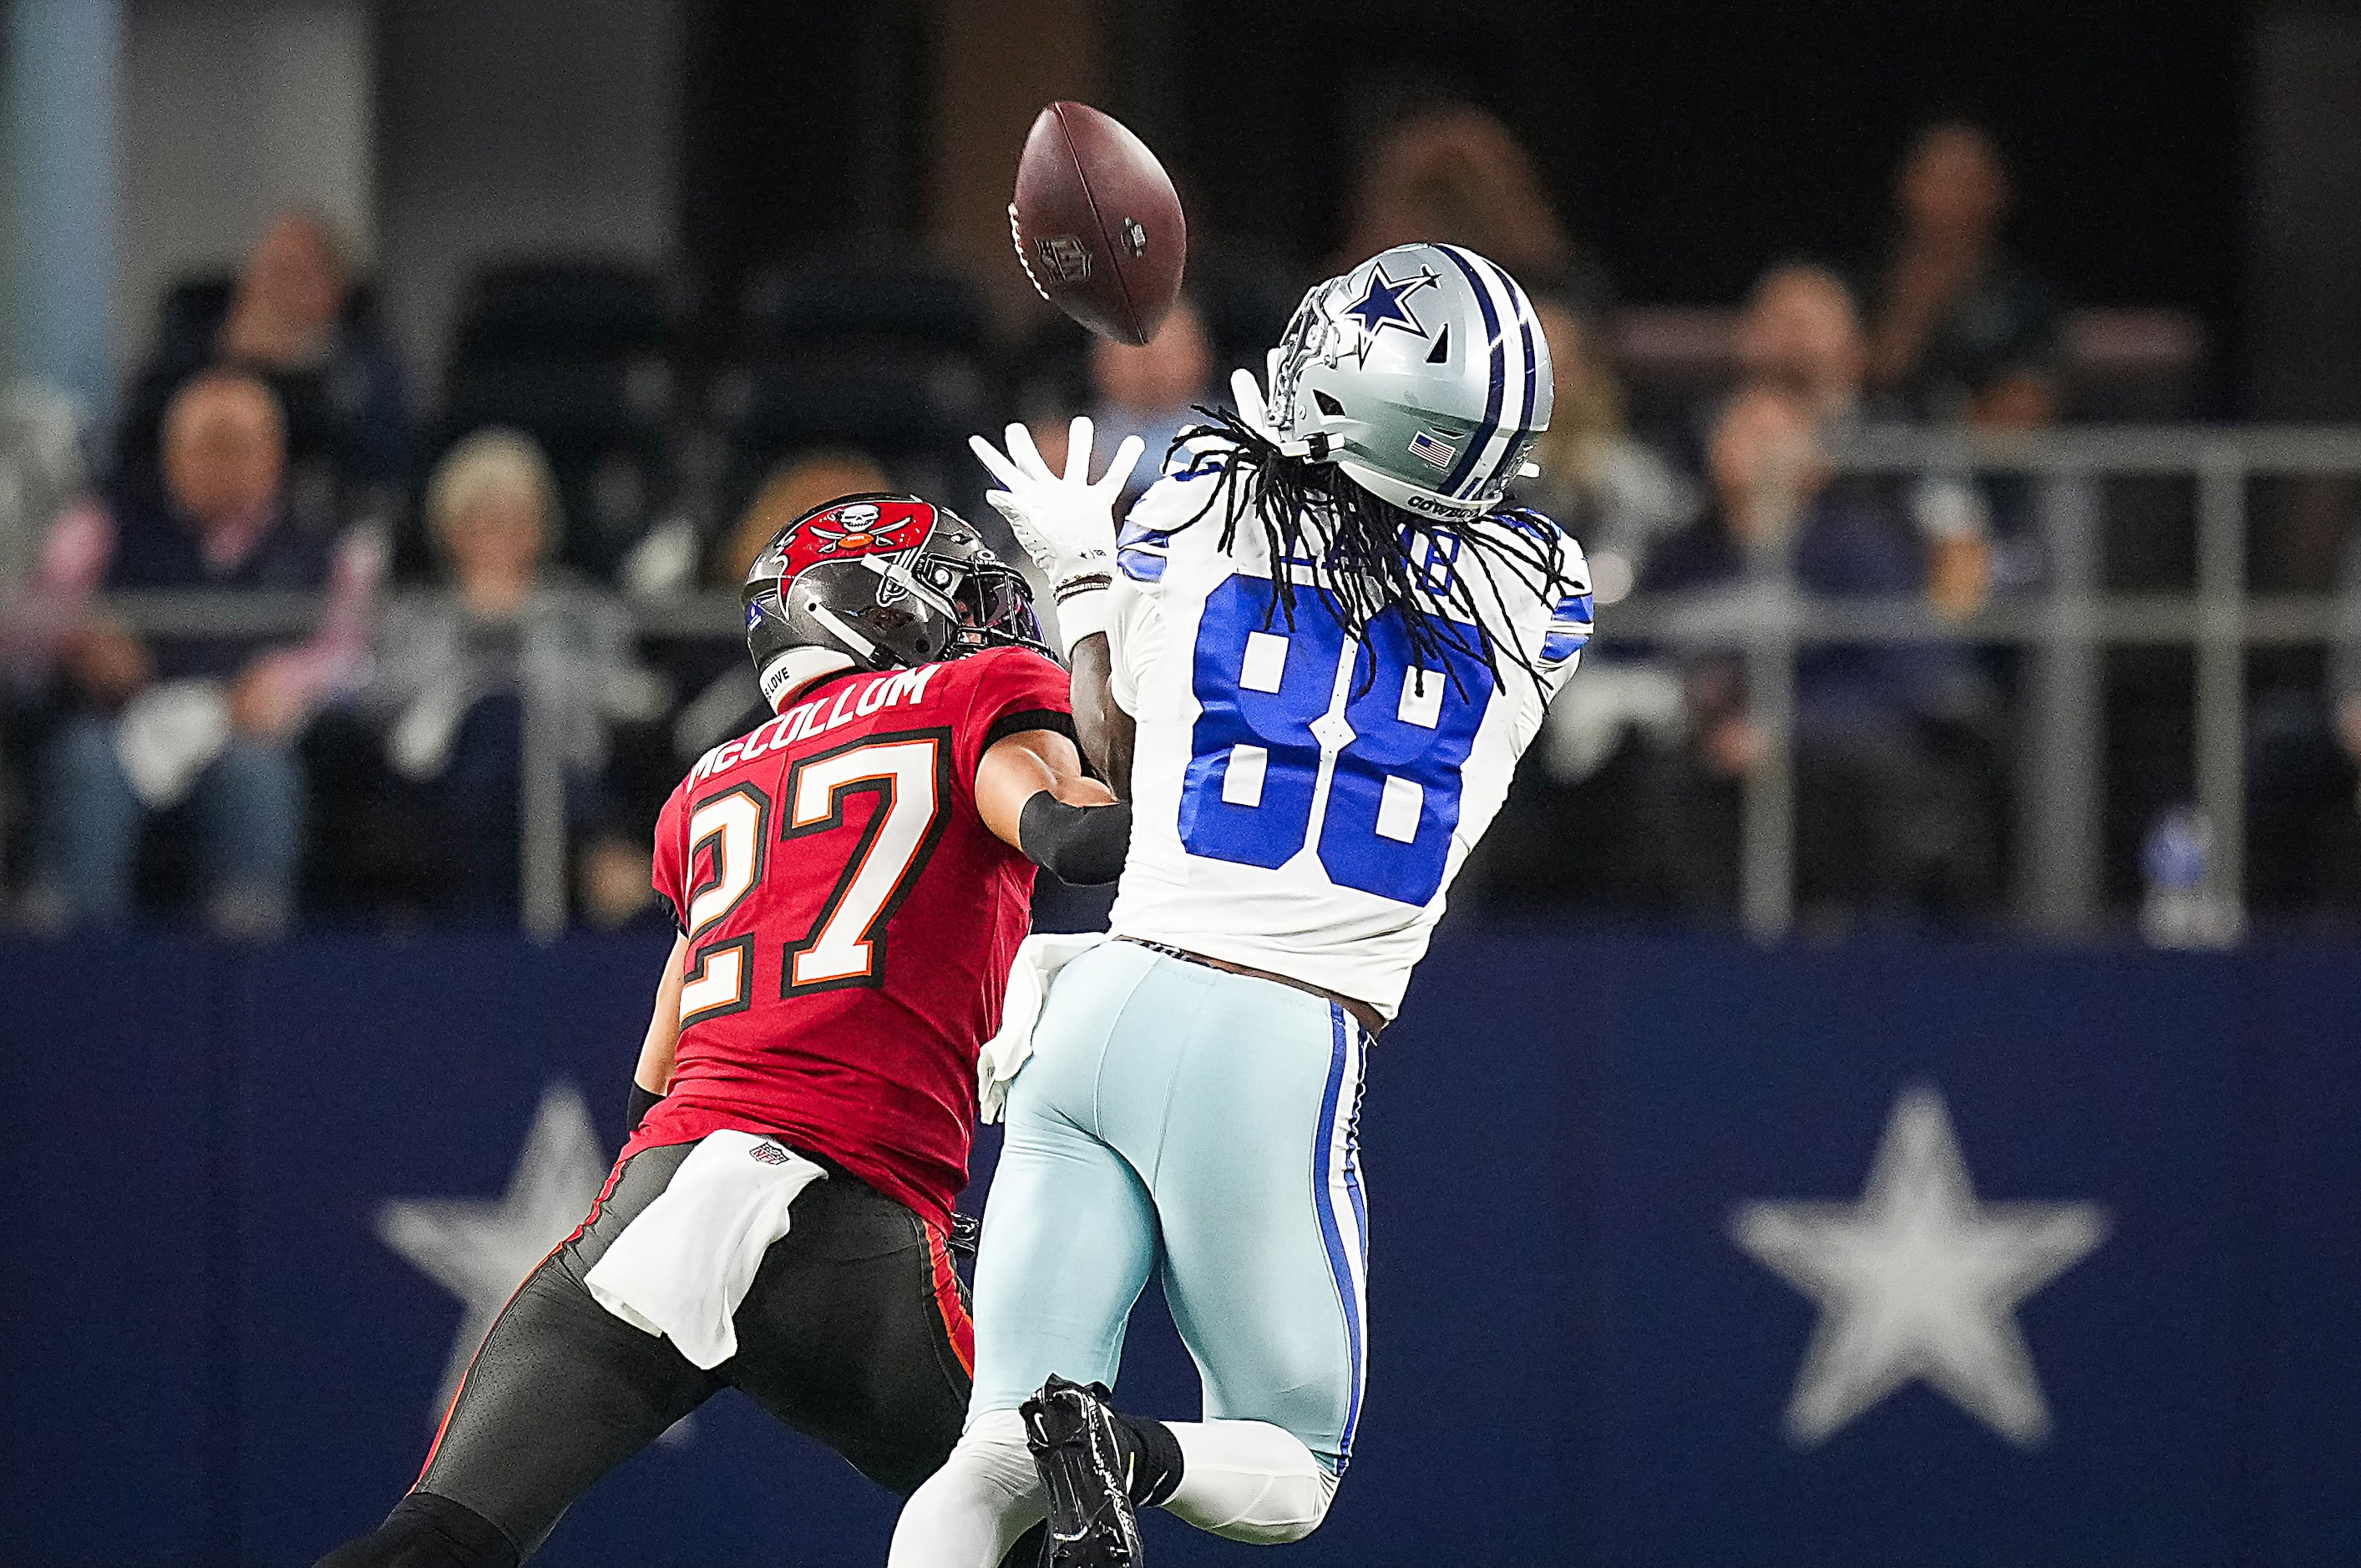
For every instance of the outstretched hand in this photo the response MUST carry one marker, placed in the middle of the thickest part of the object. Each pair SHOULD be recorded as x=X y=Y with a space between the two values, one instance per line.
x=1065 y=521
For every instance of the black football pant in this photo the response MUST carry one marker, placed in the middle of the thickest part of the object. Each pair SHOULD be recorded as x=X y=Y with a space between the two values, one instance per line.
x=853 y=1331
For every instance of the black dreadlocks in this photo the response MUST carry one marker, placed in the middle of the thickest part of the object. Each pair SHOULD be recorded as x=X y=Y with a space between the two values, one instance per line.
x=1373 y=556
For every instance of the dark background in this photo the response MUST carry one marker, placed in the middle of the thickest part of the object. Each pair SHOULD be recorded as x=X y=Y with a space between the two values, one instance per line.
x=1686 y=167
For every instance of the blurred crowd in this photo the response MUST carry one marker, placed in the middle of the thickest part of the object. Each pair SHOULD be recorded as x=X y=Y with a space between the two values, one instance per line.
x=476 y=569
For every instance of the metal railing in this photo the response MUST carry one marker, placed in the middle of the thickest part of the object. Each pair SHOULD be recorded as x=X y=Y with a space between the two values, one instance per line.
x=2065 y=626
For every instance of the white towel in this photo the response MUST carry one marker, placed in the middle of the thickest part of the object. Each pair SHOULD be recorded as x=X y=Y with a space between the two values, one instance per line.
x=1039 y=960
x=680 y=1268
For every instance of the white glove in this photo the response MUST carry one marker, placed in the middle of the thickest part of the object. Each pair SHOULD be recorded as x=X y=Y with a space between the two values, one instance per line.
x=1064 y=521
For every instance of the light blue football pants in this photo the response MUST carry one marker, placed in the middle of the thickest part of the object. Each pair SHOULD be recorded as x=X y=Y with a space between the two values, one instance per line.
x=1176 y=1115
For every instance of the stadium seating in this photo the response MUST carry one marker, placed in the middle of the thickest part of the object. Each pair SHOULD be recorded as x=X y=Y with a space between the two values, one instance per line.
x=583 y=357
x=882 y=358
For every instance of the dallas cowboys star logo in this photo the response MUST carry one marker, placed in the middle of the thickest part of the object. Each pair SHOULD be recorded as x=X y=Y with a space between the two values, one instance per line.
x=1918 y=1281
x=481 y=1250
x=1382 y=305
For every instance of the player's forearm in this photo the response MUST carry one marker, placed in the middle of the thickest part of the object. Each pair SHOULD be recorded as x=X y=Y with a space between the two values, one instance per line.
x=654 y=1071
x=1032 y=794
x=1106 y=729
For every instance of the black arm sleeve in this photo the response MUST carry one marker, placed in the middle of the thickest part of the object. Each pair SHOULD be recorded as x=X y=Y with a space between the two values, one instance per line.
x=642 y=1101
x=1080 y=844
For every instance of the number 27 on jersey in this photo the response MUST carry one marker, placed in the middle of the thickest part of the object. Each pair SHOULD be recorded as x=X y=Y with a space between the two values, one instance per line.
x=844 y=946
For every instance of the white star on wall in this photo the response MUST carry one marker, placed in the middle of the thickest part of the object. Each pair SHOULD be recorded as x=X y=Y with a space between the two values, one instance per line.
x=481 y=1251
x=1918 y=1281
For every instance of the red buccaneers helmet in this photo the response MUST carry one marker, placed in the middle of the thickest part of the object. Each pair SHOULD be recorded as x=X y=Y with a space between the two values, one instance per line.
x=887 y=580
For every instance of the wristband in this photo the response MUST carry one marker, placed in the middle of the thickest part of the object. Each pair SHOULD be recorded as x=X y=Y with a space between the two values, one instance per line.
x=1081 y=845
x=1085 y=609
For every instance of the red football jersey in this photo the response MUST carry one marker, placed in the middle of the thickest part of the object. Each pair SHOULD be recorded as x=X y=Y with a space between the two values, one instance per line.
x=851 y=920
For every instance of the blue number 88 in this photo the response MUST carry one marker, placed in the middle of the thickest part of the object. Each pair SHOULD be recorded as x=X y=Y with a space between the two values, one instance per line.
x=1394 y=798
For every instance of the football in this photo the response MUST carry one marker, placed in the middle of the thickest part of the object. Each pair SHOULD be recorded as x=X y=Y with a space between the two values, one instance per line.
x=1097 y=226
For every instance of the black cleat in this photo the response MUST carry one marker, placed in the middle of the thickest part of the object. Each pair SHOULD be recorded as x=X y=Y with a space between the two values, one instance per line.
x=1085 y=1472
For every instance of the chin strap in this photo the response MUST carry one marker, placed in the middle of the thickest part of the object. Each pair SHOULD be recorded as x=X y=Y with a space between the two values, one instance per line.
x=797 y=668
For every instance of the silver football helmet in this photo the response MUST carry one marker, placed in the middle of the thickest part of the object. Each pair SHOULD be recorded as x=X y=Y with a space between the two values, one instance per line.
x=1422 y=373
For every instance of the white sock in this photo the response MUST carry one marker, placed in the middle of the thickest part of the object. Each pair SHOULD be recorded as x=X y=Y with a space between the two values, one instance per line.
x=1248 y=1481
x=971 y=1510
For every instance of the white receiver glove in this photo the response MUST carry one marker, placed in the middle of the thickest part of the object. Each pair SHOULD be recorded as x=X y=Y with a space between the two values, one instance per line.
x=1065 y=523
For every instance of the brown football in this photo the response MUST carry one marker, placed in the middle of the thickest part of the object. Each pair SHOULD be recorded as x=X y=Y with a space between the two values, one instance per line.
x=1097 y=226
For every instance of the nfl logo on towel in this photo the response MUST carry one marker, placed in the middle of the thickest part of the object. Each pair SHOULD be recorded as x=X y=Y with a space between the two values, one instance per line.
x=1439 y=453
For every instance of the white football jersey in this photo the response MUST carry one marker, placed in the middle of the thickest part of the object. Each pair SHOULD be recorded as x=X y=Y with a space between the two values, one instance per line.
x=1301 y=806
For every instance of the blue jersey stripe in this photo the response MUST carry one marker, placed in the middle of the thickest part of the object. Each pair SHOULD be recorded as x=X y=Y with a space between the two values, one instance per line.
x=1482 y=436
x=1574 y=610
x=1340 y=1264
x=1569 y=629
x=1353 y=1153
x=1140 y=552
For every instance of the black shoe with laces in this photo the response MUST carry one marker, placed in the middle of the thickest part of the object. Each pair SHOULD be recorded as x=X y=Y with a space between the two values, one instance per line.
x=1085 y=1469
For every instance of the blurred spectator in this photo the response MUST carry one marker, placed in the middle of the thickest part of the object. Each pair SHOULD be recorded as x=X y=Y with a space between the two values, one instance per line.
x=1884 y=821
x=793 y=488
x=294 y=318
x=1452 y=172
x=41 y=472
x=1148 y=391
x=1801 y=332
x=2304 y=766
x=457 y=668
x=211 y=719
x=1962 y=330
x=1613 y=492
x=1572 y=802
